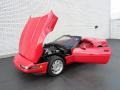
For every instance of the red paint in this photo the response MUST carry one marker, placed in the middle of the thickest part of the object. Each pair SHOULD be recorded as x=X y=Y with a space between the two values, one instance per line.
x=33 y=35
x=91 y=50
x=20 y=60
x=96 y=51
x=31 y=42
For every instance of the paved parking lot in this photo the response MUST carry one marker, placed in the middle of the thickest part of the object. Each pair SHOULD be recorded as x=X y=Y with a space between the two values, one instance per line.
x=74 y=77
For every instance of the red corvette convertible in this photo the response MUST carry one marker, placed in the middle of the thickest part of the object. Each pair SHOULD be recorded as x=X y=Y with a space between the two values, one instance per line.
x=34 y=57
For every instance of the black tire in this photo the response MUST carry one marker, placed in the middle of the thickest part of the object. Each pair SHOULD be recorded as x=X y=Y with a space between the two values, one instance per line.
x=51 y=61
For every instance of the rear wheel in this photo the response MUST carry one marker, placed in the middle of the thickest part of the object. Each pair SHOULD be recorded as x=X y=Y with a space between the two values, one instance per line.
x=55 y=65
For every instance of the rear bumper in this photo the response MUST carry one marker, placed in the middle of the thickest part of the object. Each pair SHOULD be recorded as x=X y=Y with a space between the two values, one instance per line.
x=20 y=61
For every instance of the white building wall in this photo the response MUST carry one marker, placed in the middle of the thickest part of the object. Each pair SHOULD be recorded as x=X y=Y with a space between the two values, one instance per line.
x=76 y=17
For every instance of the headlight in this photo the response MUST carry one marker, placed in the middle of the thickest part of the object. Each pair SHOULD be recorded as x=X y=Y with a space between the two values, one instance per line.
x=33 y=67
x=24 y=67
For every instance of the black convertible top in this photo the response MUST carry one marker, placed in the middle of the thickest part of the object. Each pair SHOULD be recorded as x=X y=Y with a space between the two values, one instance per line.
x=68 y=41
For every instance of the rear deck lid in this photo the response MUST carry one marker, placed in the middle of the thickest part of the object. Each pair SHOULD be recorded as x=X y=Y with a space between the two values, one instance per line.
x=33 y=35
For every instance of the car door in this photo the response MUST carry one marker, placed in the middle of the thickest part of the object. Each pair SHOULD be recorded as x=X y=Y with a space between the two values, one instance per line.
x=98 y=55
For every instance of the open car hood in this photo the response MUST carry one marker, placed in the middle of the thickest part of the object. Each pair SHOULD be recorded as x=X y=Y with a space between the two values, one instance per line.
x=33 y=35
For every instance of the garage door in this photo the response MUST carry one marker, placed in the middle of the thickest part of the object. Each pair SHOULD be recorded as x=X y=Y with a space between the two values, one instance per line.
x=115 y=29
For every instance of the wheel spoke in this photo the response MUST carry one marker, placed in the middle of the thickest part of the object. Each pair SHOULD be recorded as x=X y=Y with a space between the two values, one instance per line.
x=57 y=67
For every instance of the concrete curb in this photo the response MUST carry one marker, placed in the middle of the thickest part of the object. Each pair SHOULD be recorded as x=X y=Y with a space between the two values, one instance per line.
x=7 y=55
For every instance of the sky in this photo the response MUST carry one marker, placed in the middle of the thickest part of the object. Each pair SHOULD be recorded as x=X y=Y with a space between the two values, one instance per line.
x=115 y=9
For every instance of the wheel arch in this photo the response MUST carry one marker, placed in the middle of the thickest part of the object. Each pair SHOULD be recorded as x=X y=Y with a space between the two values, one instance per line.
x=63 y=57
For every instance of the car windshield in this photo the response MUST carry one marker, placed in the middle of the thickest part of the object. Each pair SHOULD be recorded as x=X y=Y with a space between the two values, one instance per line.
x=63 y=38
x=67 y=41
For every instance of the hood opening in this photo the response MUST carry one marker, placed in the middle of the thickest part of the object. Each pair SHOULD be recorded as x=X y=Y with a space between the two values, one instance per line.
x=33 y=35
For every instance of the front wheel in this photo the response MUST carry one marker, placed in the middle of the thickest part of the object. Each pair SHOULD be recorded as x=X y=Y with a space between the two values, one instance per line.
x=55 y=65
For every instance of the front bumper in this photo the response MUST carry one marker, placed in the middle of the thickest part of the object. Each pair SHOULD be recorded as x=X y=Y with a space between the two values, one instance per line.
x=26 y=65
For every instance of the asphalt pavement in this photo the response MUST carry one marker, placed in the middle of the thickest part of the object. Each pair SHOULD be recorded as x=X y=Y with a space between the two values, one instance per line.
x=74 y=77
